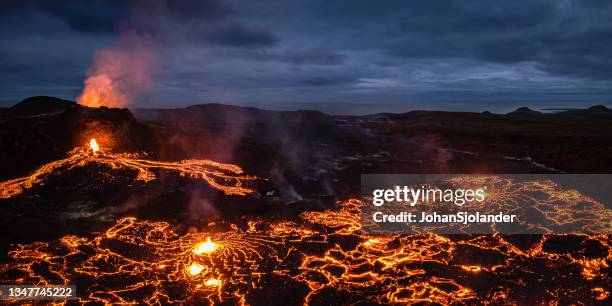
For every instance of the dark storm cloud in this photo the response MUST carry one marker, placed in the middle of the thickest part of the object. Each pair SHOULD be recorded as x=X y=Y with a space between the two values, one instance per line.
x=561 y=37
x=116 y=15
x=240 y=35
x=319 y=50
x=305 y=57
x=194 y=9
x=328 y=80
x=86 y=16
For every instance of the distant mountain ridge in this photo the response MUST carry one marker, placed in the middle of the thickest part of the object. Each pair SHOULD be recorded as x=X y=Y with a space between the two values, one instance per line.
x=214 y=112
x=38 y=105
x=524 y=111
x=40 y=129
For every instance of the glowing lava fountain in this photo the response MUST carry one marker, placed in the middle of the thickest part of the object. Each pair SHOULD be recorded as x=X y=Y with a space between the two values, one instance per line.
x=228 y=178
x=93 y=144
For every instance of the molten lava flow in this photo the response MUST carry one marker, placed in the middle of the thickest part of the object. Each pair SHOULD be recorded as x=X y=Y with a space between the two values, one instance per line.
x=94 y=146
x=195 y=269
x=213 y=282
x=205 y=247
x=322 y=257
x=225 y=177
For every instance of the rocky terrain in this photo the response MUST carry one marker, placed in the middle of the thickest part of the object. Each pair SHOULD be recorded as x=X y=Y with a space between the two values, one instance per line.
x=309 y=165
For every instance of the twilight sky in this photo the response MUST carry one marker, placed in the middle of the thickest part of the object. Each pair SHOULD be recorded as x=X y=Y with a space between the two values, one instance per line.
x=337 y=56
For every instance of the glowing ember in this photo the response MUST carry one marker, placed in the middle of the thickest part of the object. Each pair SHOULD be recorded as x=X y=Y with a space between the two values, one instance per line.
x=225 y=177
x=195 y=269
x=94 y=146
x=600 y=293
x=205 y=247
x=213 y=282
x=471 y=268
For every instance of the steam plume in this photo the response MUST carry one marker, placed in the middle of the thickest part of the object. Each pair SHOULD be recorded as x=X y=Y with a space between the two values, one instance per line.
x=121 y=73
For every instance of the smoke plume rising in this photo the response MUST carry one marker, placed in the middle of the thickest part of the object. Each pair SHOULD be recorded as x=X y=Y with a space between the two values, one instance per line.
x=121 y=73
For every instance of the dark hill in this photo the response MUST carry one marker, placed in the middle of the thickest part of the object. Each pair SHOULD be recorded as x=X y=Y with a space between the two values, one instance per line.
x=593 y=112
x=598 y=108
x=524 y=111
x=221 y=113
x=49 y=127
x=39 y=105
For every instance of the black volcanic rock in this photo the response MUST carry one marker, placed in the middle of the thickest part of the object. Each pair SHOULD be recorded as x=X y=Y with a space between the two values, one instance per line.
x=524 y=111
x=40 y=105
x=304 y=138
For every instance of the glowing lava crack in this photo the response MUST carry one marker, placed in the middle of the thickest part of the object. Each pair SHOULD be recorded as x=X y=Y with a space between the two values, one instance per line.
x=316 y=258
x=225 y=177
x=320 y=258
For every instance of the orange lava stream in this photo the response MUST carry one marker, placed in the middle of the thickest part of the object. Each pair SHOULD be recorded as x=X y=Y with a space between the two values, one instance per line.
x=317 y=257
x=228 y=178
